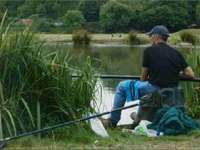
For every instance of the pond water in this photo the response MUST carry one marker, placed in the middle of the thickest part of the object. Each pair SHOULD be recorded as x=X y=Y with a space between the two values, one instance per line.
x=109 y=58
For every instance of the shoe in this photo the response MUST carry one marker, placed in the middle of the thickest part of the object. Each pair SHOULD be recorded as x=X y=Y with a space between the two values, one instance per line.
x=107 y=123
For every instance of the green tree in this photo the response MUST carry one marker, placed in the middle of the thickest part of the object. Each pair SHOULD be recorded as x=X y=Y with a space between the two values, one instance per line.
x=73 y=20
x=40 y=9
x=115 y=16
x=198 y=13
x=172 y=14
x=27 y=8
x=191 y=8
x=91 y=9
x=50 y=9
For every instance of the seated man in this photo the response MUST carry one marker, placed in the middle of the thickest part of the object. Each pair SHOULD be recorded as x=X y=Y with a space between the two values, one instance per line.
x=162 y=65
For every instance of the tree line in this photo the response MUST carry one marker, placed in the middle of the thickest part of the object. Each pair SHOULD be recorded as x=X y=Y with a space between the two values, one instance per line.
x=104 y=15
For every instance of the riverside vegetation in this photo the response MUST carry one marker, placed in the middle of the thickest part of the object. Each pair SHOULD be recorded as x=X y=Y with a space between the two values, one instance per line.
x=81 y=137
x=37 y=90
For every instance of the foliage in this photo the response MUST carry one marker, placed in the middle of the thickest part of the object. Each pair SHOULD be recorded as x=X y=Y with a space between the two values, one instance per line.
x=81 y=37
x=115 y=16
x=132 y=38
x=174 y=39
x=188 y=37
x=93 y=27
x=49 y=9
x=91 y=9
x=73 y=20
x=192 y=90
x=173 y=15
x=37 y=88
x=140 y=14
x=198 y=13
x=41 y=24
x=192 y=10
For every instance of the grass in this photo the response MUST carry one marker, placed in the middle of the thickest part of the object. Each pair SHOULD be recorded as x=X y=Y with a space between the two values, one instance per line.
x=117 y=140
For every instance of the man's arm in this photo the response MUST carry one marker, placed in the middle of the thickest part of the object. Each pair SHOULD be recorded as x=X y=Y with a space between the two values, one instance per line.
x=187 y=73
x=144 y=74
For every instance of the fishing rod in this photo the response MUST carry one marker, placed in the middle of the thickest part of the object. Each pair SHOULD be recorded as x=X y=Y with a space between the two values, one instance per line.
x=5 y=140
x=134 y=77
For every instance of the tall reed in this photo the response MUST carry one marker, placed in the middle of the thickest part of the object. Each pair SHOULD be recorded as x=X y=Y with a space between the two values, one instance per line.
x=192 y=90
x=37 y=90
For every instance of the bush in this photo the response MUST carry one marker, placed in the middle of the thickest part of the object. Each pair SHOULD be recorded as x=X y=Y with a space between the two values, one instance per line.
x=81 y=37
x=189 y=37
x=132 y=38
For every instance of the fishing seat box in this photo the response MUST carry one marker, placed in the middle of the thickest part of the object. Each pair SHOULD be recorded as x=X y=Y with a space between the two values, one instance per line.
x=165 y=97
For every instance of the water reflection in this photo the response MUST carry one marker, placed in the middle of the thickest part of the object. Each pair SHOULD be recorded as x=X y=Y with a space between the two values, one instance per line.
x=107 y=59
x=104 y=103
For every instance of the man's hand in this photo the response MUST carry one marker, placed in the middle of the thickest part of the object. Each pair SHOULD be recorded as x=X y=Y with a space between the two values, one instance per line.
x=187 y=73
x=144 y=74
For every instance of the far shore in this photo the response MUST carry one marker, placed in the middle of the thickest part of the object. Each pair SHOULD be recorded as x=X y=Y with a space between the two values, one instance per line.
x=116 y=38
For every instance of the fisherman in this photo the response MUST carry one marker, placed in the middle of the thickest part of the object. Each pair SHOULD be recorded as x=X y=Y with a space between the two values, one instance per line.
x=161 y=68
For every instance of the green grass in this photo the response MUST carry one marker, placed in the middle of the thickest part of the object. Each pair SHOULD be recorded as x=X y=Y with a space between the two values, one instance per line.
x=84 y=139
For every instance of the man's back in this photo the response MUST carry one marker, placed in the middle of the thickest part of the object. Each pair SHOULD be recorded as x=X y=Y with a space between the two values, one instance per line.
x=164 y=64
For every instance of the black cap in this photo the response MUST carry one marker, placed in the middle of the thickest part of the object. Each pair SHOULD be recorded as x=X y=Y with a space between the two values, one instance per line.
x=159 y=29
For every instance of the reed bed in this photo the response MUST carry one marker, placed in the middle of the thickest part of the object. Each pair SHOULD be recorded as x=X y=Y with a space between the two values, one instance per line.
x=37 y=90
x=192 y=90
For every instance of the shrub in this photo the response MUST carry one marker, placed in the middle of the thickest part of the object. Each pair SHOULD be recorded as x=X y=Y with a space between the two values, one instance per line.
x=188 y=37
x=81 y=37
x=132 y=38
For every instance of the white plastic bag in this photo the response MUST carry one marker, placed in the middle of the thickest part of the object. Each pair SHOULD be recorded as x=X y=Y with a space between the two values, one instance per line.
x=141 y=129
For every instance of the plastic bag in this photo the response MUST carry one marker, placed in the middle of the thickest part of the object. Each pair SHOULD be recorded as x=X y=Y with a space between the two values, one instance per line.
x=142 y=129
